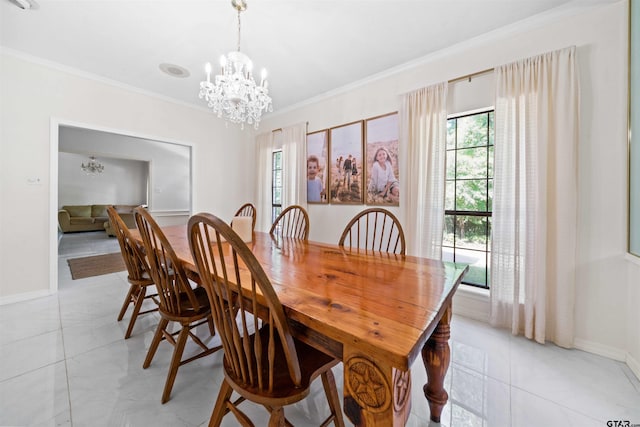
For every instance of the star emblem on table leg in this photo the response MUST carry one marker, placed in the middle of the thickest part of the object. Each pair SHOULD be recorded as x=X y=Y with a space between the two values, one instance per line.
x=367 y=384
x=402 y=386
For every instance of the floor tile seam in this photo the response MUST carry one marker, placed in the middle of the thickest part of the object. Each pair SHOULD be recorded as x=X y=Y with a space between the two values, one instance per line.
x=555 y=402
x=66 y=366
x=31 y=371
x=482 y=373
x=22 y=339
x=87 y=350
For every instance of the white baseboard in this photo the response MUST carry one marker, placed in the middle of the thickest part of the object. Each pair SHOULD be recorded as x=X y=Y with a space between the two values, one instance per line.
x=473 y=303
x=24 y=297
x=634 y=365
x=600 y=349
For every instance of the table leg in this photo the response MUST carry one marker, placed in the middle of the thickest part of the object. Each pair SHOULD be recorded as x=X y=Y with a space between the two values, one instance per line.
x=375 y=394
x=436 y=356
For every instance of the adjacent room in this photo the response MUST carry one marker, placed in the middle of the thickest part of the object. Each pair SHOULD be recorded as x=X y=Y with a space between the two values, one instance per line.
x=465 y=252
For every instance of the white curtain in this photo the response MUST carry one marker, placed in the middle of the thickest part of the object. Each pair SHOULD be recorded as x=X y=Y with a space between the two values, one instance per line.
x=423 y=116
x=264 y=150
x=533 y=258
x=294 y=189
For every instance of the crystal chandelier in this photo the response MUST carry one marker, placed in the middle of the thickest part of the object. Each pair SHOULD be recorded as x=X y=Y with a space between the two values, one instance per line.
x=93 y=167
x=235 y=95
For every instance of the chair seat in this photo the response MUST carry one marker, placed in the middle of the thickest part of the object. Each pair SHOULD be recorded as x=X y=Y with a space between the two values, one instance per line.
x=188 y=314
x=145 y=280
x=312 y=363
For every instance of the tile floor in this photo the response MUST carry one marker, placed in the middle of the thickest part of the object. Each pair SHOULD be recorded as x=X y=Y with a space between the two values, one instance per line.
x=64 y=362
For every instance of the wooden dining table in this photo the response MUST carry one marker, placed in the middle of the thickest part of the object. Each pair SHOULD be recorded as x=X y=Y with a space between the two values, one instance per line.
x=376 y=312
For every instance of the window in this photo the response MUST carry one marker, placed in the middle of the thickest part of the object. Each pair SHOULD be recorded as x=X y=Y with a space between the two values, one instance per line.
x=276 y=184
x=469 y=190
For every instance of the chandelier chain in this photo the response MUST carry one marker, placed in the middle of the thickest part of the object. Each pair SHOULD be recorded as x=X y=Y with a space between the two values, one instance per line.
x=238 y=30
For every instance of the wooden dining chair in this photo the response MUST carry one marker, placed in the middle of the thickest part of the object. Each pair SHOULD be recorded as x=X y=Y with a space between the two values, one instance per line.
x=262 y=362
x=248 y=210
x=292 y=222
x=179 y=302
x=374 y=229
x=138 y=272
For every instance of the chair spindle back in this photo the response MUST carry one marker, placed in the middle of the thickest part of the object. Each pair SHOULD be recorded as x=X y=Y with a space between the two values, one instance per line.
x=292 y=222
x=248 y=210
x=246 y=310
x=165 y=267
x=374 y=229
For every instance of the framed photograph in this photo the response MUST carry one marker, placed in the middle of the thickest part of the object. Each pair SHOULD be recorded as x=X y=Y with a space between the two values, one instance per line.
x=381 y=148
x=317 y=166
x=345 y=184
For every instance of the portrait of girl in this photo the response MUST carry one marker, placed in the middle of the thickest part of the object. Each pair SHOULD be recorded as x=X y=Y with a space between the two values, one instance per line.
x=383 y=187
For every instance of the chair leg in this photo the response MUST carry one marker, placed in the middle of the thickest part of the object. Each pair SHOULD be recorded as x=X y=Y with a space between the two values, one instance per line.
x=126 y=302
x=277 y=417
x=156 y=341
x=175 y=362
x=212 y=329
x=329 y=384
x=219 y=408
x=139 y=299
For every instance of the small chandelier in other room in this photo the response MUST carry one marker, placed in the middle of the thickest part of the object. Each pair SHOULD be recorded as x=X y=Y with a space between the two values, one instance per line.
x=234 y=94
x=93 y=167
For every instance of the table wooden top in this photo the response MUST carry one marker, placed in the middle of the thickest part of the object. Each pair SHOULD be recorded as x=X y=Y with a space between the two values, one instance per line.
x=383 y=304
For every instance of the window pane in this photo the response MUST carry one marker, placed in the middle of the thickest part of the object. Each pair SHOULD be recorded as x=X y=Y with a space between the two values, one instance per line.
x=471 y=195
x=451 y=164
x=277 y=160
x=275 y=211
x=447 y=254
x=451 y=134
x=277 y=196
x=491 y=130
x=449 y=199
x=472 y=130
x=471 y=163
x=477 y=261
x=490 y=170
x=490 y=201
x=447 y=239
x=471 y=232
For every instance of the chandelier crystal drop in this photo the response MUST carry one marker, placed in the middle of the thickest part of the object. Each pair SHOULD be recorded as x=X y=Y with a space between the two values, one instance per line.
x=93 y=167
x=234 y=93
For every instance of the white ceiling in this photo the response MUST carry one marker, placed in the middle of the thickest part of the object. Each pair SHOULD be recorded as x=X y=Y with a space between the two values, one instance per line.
x=309 y=47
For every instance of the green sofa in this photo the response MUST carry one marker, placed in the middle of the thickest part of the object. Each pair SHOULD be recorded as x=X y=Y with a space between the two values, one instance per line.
x=73 y=218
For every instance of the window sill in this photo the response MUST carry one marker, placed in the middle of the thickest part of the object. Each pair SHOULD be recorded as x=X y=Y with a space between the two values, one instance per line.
x=474 y=291
x=632 y=258
x=472 y=302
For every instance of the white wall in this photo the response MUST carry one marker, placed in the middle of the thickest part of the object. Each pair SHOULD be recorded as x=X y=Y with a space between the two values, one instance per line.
x=605 y=323
x=123 y=182
x=35 y=98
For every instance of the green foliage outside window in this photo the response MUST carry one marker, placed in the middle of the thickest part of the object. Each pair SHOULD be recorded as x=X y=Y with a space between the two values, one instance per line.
x=276 y=184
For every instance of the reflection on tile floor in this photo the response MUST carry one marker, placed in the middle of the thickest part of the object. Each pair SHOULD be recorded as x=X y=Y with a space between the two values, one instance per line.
x=64 y=362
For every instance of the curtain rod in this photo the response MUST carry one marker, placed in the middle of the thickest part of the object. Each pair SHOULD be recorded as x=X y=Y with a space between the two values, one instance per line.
x=469 y=76
x=280 y=129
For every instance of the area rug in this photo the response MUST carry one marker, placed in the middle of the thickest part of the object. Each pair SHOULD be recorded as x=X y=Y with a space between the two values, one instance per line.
x=96 y=265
